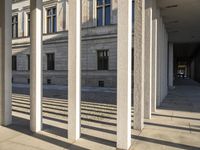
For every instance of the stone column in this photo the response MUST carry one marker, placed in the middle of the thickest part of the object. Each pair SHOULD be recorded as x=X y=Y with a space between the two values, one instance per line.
x=158 y=58
x=74 y=69
x=5 y=62
x=124 y=70
x=171 y=65
x=154 y=57
x=148 y=60
x=139 y=41
x=161 y=61
x=36 y=66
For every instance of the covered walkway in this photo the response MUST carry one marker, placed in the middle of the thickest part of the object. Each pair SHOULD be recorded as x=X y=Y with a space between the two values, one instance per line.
x=158 y=26
x=175 y=125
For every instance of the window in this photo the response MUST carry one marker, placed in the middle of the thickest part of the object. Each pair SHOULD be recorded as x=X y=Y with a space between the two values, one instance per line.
x=102 y=59
x=51 y=20
x=14 y=63
x=50 y=61
x=28 y=60
x=103 y=12
x=101 y=83
x=14 y=26
x=28 y=24
x=48 y=81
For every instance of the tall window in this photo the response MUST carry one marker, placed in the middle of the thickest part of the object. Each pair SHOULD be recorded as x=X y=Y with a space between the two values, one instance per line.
x=28 y=60
x=103 y=12
x=14 y=26
x=28 y=24
x=51 y=20
x=14 y=63
x=102 y=59
x=50 y=61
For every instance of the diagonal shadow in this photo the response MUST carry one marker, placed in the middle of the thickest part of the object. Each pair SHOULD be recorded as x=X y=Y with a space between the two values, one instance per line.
x=180 y=117
x=173 y=127
x=22 y=125
x=167 y=143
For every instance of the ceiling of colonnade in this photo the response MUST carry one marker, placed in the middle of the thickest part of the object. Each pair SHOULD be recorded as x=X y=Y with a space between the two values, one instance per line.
x=182 y=19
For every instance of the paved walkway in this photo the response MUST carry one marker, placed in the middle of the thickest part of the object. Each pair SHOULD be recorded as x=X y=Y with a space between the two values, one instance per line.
x=89 y=94
x=175 y=125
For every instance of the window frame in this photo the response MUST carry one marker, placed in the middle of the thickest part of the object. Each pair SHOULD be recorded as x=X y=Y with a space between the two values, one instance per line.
x=16 y=25
x=28 y=24
x=103 y=6
x=103 y=63
x=53 y=27
x=14 y=63
x=50 y=65
x=28 y=62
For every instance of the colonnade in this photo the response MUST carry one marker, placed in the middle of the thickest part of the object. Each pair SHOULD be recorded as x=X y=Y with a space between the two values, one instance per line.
x=150 y=66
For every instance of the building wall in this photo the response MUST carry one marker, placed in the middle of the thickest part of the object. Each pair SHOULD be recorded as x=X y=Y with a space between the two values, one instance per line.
x=93 y=38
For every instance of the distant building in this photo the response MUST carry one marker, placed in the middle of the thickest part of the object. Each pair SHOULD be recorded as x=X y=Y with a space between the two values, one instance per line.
x=99 y=42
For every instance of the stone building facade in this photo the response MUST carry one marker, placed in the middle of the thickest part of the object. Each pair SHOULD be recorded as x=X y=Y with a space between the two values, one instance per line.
x=99 y=42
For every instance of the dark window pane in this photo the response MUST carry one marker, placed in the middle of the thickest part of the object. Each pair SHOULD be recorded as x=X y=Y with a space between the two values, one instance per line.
x=51 y=20
x=29 y=28
x=48 y=25
x=28 y=25
x=28 y=57
x=29 y=16
x=14 y=63
x=99 y=2
x=12 y=30
x=100 y=16
x=49 y=12
x=14 y=27
x=54 y=11
x=50 y=61
x=107 y=1
x=107 y=15
x=54 y=24
x=102 y=60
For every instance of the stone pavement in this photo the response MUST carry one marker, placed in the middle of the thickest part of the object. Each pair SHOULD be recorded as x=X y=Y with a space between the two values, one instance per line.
x=175 y=125
x=90 y=94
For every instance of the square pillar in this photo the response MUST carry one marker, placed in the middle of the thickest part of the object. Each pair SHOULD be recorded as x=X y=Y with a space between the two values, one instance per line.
x=159 y=46
x=36 y=66
x=171 y=65
x=124 y=73
x=154 y=57
x=148 y=60
x=139 y=45
x=5 y=63
x=74 y=69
